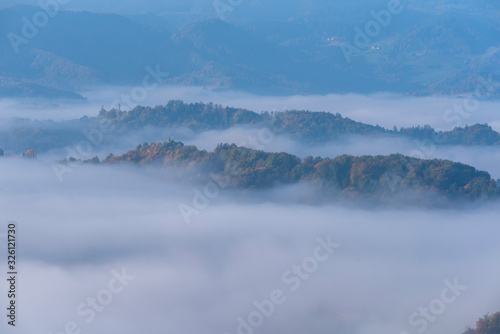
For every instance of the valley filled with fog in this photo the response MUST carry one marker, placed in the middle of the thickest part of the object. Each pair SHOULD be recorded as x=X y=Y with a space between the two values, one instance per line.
x=389 y=263
x=249 y=167
x=386 y=110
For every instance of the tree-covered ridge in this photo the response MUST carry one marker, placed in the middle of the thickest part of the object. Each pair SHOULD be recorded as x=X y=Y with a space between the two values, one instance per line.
x=436 y=48
x=364 y=175
x=196 y=116
x=299 y=124
x=171 y=152
x=322 y=126
x=306 y=126
x=477 y=134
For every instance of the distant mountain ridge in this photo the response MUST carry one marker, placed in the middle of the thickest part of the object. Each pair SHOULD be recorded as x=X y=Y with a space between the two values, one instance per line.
x=421 y=52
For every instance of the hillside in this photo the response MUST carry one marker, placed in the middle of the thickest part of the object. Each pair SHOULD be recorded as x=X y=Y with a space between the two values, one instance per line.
x=300 y=125
x=423 y=51
x=346 y=176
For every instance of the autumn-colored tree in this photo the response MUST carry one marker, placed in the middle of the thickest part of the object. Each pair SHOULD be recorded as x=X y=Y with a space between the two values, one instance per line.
x=353 y=176
x=489 y=324
x=30 y=154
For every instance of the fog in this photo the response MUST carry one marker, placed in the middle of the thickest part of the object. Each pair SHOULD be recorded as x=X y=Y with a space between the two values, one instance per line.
x=384 y=109
x=75 y=236
x=261 y=138
x=138 y=249
x=202 y=276
x=482 y=157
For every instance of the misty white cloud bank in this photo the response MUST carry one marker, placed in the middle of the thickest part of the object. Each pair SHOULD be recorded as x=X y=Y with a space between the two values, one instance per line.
x=481 y=157
x=107 y=251
x=384 y=109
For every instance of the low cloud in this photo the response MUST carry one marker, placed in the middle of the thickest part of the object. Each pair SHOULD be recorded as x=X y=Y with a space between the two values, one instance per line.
x=481 y=157
x=202 y=277
x=384 y=109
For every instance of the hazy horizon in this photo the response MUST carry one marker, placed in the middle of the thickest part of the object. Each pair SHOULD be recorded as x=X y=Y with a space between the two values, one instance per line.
x=369 y=223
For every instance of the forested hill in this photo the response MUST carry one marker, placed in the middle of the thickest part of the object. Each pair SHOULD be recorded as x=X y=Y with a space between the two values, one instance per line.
x=303 y=125
x=488 y=324
x=344 y=176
